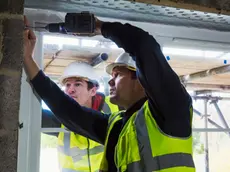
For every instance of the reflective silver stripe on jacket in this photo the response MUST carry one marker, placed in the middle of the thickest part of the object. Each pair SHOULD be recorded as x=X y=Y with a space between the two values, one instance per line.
x=106 y=108
x=69 y=170
x=75 y=152
x=148 y=163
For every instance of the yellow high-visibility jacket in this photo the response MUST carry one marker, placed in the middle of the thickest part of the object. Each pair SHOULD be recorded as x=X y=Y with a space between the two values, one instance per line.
x=143 y=147
x=78 y=153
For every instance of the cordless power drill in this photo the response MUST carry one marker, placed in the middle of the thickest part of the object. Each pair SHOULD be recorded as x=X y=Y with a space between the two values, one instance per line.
x=75 y=24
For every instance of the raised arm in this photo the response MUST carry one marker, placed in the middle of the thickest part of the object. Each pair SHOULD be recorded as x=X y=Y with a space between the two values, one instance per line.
x=49 y=120
x=168 y=98
x=75 y=117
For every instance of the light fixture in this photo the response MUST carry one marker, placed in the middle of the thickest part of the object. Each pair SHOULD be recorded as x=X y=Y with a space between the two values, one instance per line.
x=225 y=56
x=197 y=42
x=212 y=54
x=113 y=46
x=191 y=52
x=47 y=39
x=182 y=52
x=89 y=43
x=61 y=40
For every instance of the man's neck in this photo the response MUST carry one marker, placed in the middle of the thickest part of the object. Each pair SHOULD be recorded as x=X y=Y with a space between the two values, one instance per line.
x=136 y=106
x=89 y=104
x=133 y=101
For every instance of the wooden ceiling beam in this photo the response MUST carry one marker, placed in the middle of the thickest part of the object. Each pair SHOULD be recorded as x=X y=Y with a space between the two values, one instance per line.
x=205 y=73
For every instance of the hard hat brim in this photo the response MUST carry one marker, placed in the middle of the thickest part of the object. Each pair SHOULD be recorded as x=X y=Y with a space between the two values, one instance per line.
x=62 y=79
x=110 y=67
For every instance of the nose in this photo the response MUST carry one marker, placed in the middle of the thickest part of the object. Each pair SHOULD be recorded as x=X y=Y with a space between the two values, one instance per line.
x=111 y=82
x=70 y=89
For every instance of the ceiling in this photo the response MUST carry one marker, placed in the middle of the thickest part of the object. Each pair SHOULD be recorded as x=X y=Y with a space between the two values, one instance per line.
x=57 y=57
x=207 y=38
x=180 y=13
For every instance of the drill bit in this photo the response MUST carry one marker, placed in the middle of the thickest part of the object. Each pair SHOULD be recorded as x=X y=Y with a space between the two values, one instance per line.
x=34 y=27
x=52 y=27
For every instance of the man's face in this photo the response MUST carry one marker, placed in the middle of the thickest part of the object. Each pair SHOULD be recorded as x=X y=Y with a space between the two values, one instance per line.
x=121 y=86
x=77 y=88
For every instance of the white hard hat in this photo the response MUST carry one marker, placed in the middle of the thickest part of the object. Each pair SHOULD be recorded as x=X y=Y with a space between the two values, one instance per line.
x=80 y=70
x=123 y=60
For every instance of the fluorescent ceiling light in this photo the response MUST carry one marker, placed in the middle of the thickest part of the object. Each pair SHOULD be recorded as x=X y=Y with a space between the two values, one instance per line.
x=113 y=46
x=201 y=42
x=89 y=43
x=191 y=52
x=182 y=51
x=212 y=54
x=60 y=40
x=225 y=56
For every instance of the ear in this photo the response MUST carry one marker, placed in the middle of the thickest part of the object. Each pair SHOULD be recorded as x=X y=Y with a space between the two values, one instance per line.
x=139 y=86
x=93 y=91
x=136 y=84
x=133 y=75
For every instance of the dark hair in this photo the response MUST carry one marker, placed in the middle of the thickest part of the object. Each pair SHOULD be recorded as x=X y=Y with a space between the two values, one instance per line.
x=90 y=85
x=133 y=74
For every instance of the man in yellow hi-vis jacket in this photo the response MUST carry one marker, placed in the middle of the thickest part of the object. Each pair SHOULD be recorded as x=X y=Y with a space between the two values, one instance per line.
x=76 y=152
x=154 y=133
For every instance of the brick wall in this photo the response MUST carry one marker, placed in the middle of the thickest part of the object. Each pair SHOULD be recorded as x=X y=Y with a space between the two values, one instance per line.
x=11 y=54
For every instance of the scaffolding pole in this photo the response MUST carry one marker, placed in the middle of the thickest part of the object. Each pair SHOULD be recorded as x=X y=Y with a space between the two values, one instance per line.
x=219 y=128
x=209 y=120
x=206 y=135
x=211 y=130
x=220 y=114
x=211 y=98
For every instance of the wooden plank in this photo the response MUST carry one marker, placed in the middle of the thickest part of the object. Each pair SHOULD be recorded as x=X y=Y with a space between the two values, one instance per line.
x=66 y=62
x=223 y=76
x=61 y=62
x=195 y=63
x=218 y=79
x=57 y=70
x=184 y=71
x=181 y=65
x=179 y=68
x=46 y=61
x=212 y=80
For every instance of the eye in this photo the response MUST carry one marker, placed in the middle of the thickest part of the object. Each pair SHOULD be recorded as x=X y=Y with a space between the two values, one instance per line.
x=67 y=85
x=115 y=75
x=77 y=84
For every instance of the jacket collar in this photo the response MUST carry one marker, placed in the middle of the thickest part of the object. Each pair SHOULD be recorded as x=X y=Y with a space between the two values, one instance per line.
x=98 y=101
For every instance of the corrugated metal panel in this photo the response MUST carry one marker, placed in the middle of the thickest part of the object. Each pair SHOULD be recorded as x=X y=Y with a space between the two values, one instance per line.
x=213 y=6
x=138 y=12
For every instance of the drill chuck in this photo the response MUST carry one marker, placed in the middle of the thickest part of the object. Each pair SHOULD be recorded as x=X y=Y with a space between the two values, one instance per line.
x=56 y=27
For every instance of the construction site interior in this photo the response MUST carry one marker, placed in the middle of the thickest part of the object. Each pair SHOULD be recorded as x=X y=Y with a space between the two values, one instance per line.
x=195 y=43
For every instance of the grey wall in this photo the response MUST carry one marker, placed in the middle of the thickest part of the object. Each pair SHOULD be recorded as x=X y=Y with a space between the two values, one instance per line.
x=11 y=54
